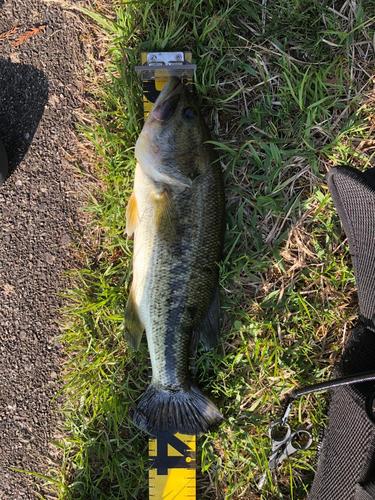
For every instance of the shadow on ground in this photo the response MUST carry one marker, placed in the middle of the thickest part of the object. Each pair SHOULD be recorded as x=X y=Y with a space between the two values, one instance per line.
x=23 y=95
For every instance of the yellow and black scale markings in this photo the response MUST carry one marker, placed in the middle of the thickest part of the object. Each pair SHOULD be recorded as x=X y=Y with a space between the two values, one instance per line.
x=172 y=472
x=153 y=86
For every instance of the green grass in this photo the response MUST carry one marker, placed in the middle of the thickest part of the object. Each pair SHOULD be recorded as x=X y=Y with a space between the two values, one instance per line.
x=283 y=84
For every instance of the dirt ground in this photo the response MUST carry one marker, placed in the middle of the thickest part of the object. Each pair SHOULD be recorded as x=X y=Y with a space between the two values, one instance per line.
x=42 y=56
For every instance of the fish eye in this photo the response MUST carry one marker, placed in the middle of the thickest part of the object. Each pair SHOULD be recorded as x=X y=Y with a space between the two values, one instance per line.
x=188 y=113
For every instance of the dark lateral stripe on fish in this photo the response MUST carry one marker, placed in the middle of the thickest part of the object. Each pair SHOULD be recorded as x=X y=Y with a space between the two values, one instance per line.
x=178 y=282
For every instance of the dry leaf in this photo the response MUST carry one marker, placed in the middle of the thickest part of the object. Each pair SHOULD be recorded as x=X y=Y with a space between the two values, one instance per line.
x=28 y=34
x=8 y=34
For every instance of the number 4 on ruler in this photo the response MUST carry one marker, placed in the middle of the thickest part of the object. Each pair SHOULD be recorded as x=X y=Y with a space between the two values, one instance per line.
x=173 y=467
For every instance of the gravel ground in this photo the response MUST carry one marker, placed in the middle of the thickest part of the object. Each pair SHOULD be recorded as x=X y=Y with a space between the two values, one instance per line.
x=40 y=87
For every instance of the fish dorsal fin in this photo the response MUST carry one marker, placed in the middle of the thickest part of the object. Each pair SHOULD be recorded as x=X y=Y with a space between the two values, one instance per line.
x=133 y=325
x=131 y=215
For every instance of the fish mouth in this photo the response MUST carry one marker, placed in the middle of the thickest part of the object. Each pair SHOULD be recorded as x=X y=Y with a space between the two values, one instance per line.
x=168 y=100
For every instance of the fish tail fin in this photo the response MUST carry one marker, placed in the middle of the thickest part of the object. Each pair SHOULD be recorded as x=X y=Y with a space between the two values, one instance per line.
x=183 y=411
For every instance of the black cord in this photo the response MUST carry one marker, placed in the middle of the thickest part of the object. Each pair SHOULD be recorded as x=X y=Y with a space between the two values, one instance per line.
x=332 y=384
x=325 y=386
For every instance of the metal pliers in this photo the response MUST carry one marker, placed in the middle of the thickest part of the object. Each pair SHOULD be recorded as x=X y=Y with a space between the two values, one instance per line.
x=284 y=443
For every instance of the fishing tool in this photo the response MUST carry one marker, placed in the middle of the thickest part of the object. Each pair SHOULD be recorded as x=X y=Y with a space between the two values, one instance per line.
x=286 y=442
x=172 y=457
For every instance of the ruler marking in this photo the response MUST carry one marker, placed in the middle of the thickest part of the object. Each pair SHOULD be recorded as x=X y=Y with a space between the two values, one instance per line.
x=170 y=476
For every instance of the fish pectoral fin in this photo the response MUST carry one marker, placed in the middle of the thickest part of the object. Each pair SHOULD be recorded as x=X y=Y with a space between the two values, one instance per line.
x=133 y=325
x=164 y=210
x=131 y=215
x=209 y=330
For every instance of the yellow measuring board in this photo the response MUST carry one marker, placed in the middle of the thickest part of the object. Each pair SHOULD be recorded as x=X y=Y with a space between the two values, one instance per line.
x=153 y=86
x=172 y=473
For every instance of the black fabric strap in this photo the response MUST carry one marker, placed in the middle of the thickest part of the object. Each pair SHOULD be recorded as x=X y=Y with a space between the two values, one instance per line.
x=353 y=194
x=346 y=466
x=365 y=491
x=347 y=450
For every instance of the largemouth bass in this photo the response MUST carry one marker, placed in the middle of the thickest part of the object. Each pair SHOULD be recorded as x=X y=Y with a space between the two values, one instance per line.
x=176 y=214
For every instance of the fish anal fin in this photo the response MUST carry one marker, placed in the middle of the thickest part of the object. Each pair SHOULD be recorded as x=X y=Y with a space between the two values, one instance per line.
x=209 y=329
x=131 y=215
x=133 y=325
